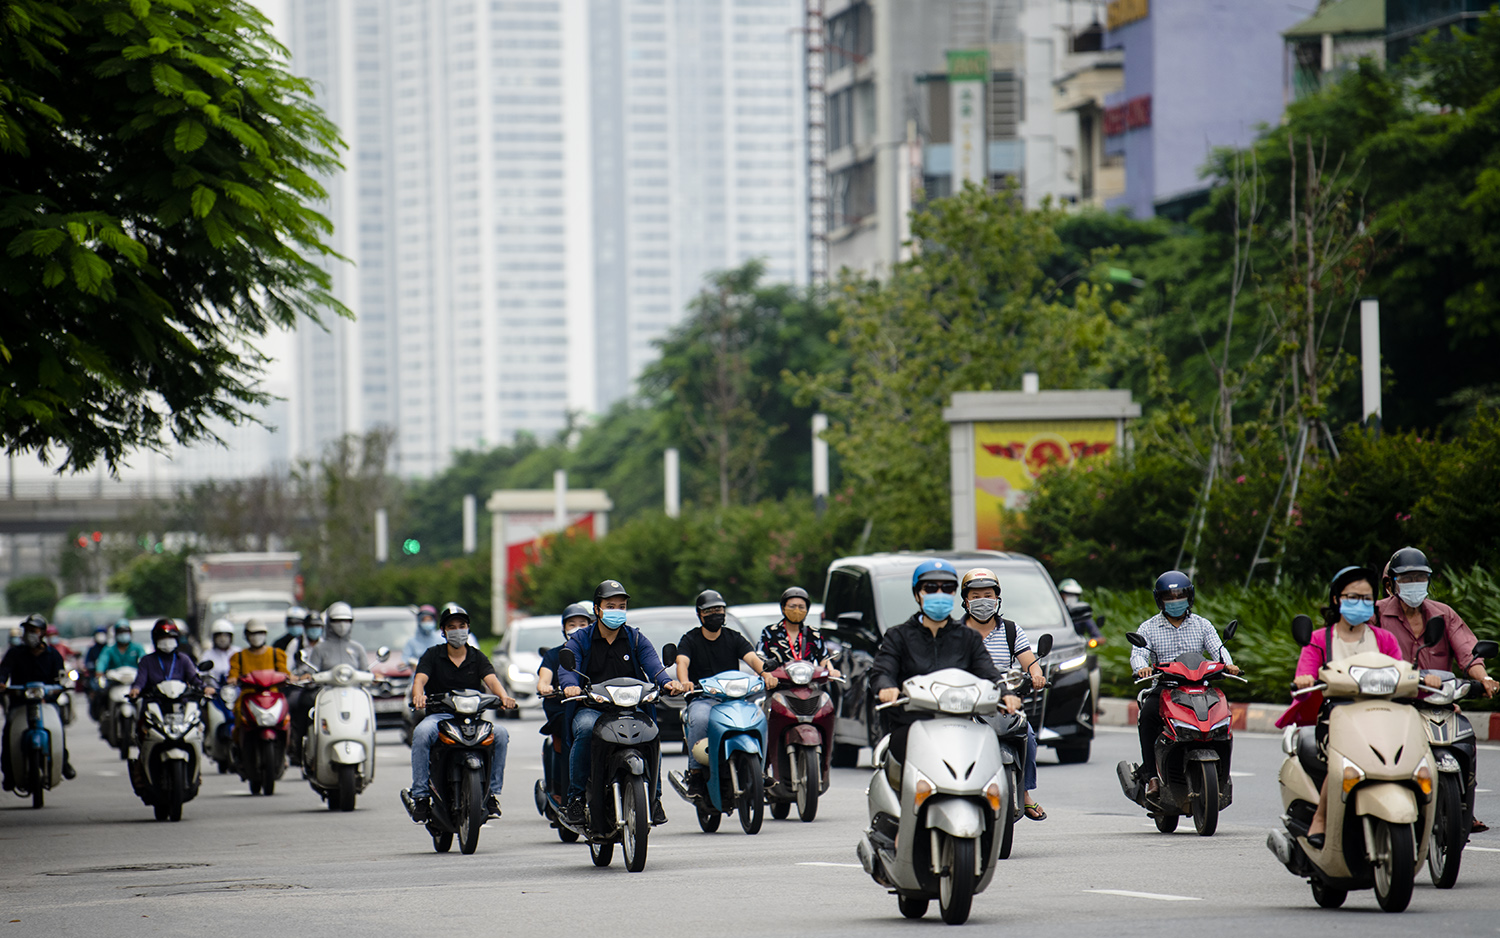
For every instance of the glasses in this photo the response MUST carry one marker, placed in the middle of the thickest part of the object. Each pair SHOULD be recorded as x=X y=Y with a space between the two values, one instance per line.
x=939 y=587
x=1358 y=597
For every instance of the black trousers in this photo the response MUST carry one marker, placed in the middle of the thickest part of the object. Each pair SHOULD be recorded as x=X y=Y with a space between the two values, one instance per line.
x=1148 y=725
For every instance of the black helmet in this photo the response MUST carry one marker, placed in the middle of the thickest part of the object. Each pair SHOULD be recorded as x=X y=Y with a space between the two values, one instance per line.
x=609 y=589
x=1408 y=560
x=574 y=610
x=794 y=592
x=450 y=612
x=708 y=599
x=35 y=621
x=1170 y=581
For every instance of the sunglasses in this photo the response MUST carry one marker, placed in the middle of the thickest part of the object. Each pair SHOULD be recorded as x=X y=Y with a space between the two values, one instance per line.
x=939 y=587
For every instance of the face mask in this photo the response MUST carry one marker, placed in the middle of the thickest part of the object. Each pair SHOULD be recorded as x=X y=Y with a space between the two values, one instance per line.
x=101 y=639
x=32 y=639
x=15 y=640
x=256 y=639
x=123 y=639
x=713 y=621
x=1412 y=593
x=295 y=631
x=314 y=633
x=456 y=637
x=569 y=633
x=427 y=625
x=1175 y=608
x=614 y=618
x=984 y=609
x=1356 y=611
x=340 y=628
x=221 y=641
x=936 y=606
x=796 y=616
x=167 y=645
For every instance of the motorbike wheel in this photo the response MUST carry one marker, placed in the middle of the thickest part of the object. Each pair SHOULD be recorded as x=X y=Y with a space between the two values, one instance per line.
x=443 y=842
x=1166 y=823
x=956 y=887
x=1074 y=755
x=37 y=797
x=807 y=795
x=1447 y=849
x=254 y=786
x=470 y=810
x=347 y=785
x=781 y=810
x=708 y=819
x=911 y=908
x=567 y=834
x=1206 y=802
x=267 y=766
x=635 y=812
x=1397 y=873
x=1008 y=813
x=159 y=811
x=1327 y=897
x=176 y=790
x=752 y=803
x=601 y=854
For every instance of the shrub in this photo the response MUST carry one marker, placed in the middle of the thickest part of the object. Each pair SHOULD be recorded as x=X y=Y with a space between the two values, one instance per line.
x=30 y=594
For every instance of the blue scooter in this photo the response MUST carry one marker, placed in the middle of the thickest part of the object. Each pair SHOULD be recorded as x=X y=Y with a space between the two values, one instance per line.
x=733 y=753
x=37 y=746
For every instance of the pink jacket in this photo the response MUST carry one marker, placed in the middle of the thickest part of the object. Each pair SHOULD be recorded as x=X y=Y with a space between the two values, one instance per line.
x=1304 y=710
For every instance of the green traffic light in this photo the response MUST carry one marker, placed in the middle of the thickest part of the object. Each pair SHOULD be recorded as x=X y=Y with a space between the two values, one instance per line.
x=411 y=546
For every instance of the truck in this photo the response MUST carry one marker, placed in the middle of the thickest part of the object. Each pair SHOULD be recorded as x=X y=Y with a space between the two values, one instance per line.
x=239 y=585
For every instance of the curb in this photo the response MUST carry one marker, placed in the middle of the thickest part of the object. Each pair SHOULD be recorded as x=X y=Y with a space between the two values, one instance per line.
x=1260 y=717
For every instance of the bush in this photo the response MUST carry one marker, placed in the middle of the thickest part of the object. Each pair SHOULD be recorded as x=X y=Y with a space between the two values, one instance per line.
x=155 y=583
x=464 y=580
x=30 y=594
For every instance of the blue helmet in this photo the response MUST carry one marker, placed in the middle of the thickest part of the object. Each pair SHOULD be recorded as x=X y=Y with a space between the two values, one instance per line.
x=937 y=571
x=1169 y=581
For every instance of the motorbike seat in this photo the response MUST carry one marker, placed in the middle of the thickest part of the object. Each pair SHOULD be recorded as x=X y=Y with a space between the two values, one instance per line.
x=1313 y=762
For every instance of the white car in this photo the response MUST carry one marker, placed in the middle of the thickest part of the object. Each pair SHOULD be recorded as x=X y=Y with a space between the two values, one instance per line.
x=519 y=656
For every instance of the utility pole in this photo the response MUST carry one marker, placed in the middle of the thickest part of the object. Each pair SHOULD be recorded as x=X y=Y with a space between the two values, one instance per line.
x=672 y=483
x=819 y=463
x=1369 y=360
x=471 y=524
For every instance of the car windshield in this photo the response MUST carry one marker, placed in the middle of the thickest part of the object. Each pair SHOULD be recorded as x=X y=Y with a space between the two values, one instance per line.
x=1026 y=598
x=392 y=632
x=754 y=624
x=527 y=635
x=232 y=607
x=669 y=625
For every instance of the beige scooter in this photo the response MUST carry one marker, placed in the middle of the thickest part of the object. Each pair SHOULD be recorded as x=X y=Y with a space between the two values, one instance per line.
x=1381 y=777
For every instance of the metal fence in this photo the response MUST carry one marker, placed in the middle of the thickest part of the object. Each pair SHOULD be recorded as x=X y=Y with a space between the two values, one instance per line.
x=77 y=489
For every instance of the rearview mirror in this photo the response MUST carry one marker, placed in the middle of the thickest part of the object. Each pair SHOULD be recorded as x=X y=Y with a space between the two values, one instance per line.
x=542 y=652
x=1231 y=628
x=669 y=653
x=1137 y=639
x=383 y=652
x=567 y=659
x=1044 y=645
x=1433 y=633
x=1302 y=630
x=206 y=666
x=1486 y=649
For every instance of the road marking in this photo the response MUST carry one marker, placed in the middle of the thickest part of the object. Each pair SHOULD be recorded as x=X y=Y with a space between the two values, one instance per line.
x=1241 y=774
x=821 y=863
x=1144 y=895
x=1484 y=849
x=108 y=774
x=1482 y=791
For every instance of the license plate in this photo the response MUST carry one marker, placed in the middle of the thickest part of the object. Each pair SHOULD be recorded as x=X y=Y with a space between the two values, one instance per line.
x=389 y=705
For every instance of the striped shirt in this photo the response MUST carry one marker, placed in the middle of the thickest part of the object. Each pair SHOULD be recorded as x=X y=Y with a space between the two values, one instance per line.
x=1167 y=642
x=999 y=648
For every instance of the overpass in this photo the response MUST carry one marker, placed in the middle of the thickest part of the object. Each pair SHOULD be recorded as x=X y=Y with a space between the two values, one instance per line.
x=56 y=506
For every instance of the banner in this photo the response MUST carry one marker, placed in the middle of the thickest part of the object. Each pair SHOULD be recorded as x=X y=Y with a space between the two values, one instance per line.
x=525 y=543
x=1008 y=456
x=967 y=72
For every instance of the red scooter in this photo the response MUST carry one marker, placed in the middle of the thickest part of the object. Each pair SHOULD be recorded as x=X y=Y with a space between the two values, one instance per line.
x=799 y=739
x=1194 y=748
x=261 y=728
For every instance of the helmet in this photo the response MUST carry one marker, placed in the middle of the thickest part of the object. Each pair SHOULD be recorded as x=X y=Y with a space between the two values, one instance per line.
x=1070 y=587
x=978 y=578
x=450 y=612
x=937 y=571
x=794 y=592
x=1170 y=581
x=1408 y=560
x=608 y=589
x=221 y=627
x=35 y=621
x=294 y=615
x=254 y=625
x=708 y=599
x=165 y=628
x=573 y=611
x=339 y=610
x=427 y=609
x=314 y=617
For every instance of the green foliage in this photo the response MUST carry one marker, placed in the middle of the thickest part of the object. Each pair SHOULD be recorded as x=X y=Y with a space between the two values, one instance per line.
x=338 y=495
x=464 y=580
x=155 y=583
x=159 y=167
x=29 y=594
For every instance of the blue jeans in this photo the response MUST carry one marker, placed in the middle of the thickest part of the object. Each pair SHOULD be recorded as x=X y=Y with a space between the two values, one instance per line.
x=695 y=724
x=580 y=756
x=1028 y=775
x=422 y=738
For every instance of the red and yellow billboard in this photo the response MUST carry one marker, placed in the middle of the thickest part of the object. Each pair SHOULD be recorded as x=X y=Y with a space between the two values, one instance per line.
x=1009 y=455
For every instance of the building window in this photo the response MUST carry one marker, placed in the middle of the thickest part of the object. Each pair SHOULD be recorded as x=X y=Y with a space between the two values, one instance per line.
x=851 y=36
x=853 y=192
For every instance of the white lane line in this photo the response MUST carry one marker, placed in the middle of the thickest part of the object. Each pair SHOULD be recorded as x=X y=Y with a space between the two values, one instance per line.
x=1482 y=791
x=1484 y=849
x=1241 y=774
x=1144 y=895
x=821 y=863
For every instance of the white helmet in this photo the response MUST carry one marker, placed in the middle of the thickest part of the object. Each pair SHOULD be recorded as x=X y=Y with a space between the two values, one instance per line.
x=340 y=619
x=221 y=627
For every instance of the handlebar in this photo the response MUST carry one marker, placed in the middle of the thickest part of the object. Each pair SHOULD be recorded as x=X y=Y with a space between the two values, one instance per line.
x=894 y=703
x=1303 y=691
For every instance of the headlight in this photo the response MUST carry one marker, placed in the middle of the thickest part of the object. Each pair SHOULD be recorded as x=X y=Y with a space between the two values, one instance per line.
x=1221 y=724
x=229 y=693
x=1074 y=662
x=343 y=674
x=958 y=699
x=1185 y=726
x=799 y=672
x=738 y=687
x=518 y=674
x=36 y=693
x=1375 y=681
x=465 y=704
x=625 y=696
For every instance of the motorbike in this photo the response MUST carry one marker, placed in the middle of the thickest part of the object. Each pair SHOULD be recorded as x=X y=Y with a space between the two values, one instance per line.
x=934 y=820
x=119 y=725
x=260 y=755
x=166 y=770
x=460 y=768
x=550 y=799
x=339 y=752
x=1380 y=776
x=1451 y=737
x=218 y=738
x=410 y=716
x=38 y=747
x=731 y=752
x=623 y=759
x=1194 y=748
x=1010 y=730
x=800 y=716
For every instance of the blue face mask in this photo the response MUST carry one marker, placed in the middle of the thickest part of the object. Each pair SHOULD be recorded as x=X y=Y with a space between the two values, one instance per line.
x=315 y=633
x=1175 y=607
x=614 y=618
x=937 y=606
x=426 y=624
x=1356 y=611
x=295 y=630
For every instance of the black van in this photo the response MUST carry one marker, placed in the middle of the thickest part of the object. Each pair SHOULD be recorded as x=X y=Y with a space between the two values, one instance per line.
x=864 y=596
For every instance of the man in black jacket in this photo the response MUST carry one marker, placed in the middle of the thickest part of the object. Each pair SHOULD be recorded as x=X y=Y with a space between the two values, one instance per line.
x=929 y=641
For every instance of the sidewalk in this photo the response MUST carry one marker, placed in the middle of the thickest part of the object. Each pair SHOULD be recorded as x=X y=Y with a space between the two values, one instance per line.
x=1261 y=717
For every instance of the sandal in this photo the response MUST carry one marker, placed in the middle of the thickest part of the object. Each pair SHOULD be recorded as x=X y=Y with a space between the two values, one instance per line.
x=1035 y=812
x=1479 y=827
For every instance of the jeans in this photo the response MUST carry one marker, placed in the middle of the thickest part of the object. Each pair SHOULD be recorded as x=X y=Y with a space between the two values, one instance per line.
x=1028 y=775
x=580 y=756
x=422 y=738
x=695 y=724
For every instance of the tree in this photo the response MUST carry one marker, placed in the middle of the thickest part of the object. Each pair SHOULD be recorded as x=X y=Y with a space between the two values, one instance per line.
x=155 y=583
x=340 y=494
x=29 y=594
x=159 y=167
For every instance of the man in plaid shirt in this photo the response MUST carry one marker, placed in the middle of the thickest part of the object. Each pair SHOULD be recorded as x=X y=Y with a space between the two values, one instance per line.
x=1172 y=633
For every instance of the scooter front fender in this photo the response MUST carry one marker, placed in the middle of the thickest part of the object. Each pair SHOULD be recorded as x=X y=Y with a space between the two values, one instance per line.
x=1388 y=801
x=959 y=817
x=804 y=734
x=346 y=752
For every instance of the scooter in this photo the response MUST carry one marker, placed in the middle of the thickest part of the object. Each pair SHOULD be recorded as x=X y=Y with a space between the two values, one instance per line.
x=1451 y=737
x=261 y=746
x=1194 y=748
x=166 y=770
x=119 y=725
x=624 y=757
x=1380 y=777
x=732 y=753
x=1011 y=730
x=339 y=753
x=551 y=797
x=218 y=739
x=934 y=821
x=460 y=768
x=800 y=716
x=38 y=747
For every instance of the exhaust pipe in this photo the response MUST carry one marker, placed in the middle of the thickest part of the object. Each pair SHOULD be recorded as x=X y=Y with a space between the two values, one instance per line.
x=1128 y=783
x=1286 y=850
x=866 y=853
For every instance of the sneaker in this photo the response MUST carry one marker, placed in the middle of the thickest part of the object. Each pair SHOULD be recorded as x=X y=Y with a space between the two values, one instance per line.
x=492 y=806
x=575 y=816
x=69 y=772
x=420 y=809
x=658 y=814
x=696 y=782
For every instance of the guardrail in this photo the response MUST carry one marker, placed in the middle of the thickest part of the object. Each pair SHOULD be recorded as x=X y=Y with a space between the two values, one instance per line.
x=79 y=489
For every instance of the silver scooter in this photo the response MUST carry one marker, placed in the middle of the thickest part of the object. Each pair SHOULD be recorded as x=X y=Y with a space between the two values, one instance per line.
x=934 y=821
x=119 y=726
x=339 y=752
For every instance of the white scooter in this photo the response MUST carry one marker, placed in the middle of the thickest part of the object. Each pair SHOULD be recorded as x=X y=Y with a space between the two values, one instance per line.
x=934 y=820
x=119 y=726
x=167 y=771
x=339 y=752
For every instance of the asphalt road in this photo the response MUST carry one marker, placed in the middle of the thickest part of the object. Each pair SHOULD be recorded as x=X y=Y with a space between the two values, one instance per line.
x=94 y=862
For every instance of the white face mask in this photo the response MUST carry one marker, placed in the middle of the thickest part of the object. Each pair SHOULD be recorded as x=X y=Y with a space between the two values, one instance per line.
x=167 y=645
x=221 y=641
x=1412 y=594
x=256 y=639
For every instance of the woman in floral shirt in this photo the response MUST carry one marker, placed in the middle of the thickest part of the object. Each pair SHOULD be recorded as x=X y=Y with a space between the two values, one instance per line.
x=793 y=638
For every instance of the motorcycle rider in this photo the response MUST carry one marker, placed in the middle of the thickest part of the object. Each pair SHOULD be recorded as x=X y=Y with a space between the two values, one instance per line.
x=426 y=635
x=575 y=617
x=704 y=652
x=90 y=657
x=257 y=655
x=794 y=638
x=124 y=653
x=337 y=647
x=454 y=665
x=32 y=661
x=221 y=649
x=1007 y=643
x=1174 y=631
x=928 y=641
x=167 y=663
x=296 y=623
x=1079 y=611
x=312 y=634
x=607 y=649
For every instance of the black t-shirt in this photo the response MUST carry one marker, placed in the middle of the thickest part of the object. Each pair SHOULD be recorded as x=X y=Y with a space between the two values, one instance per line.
x=608 y=660
x=707 y=658
x=22 y=666
x=443 y=677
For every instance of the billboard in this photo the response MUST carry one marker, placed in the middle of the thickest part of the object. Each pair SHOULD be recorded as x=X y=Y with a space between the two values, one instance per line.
x=1010 y=454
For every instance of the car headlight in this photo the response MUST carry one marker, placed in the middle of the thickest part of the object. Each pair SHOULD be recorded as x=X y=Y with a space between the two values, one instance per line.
x=518 y=674
x=1376 y=681
x=958 y=699
x=625 y=696
x=1077 y=661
